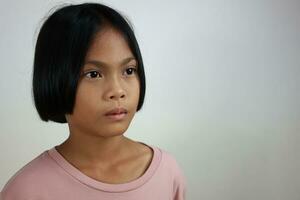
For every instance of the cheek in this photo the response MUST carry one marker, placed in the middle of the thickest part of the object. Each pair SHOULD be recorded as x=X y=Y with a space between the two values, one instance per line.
x=135 y=89
x=86 y=99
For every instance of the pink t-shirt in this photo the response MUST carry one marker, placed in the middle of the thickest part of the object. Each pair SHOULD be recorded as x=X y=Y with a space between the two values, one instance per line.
x=50 y=176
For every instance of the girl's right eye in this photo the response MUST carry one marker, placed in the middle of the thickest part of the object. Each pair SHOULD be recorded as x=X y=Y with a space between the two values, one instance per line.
x=93 y=74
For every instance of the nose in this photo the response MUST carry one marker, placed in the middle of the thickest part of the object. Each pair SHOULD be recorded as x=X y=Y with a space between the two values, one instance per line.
x=115 y=91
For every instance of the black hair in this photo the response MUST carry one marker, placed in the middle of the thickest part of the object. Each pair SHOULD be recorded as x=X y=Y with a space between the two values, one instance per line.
x=60 y=51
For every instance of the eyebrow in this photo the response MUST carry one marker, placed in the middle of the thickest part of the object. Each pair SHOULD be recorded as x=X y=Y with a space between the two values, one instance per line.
x=99 y=63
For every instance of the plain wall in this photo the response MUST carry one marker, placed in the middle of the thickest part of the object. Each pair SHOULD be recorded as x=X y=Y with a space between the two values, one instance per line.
x=222 y=92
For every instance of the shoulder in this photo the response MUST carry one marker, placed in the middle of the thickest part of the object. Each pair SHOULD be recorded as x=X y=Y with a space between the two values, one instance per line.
x=171 y=166
x=170 y=162
x=24 y=183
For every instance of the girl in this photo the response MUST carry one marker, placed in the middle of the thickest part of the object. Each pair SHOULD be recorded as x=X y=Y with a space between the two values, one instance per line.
x=88 y=72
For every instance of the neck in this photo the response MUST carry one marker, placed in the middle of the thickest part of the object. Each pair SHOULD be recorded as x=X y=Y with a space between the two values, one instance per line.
x=91 y=149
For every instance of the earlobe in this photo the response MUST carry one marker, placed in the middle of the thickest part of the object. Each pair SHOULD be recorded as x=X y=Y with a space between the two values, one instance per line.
x=67 y=116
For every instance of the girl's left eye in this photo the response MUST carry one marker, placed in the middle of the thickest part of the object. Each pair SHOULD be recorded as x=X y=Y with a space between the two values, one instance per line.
x=130 y=71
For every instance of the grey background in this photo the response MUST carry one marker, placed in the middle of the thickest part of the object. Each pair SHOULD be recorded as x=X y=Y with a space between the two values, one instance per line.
x=222 y=92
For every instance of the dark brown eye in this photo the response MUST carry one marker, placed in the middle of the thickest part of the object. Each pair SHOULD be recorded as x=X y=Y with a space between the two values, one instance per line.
x=93 y=74
x=130 y=71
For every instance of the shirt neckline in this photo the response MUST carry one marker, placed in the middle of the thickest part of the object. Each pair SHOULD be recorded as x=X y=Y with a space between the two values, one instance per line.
x=107 y=187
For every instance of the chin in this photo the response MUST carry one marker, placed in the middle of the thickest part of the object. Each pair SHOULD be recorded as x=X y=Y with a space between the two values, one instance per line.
x=114 y=131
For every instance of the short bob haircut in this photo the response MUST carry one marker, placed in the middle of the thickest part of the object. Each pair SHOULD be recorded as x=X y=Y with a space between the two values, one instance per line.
x=61 y=48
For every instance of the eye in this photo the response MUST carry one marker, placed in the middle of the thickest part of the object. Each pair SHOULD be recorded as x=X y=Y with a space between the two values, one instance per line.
x=130 y=71
x=93 y=74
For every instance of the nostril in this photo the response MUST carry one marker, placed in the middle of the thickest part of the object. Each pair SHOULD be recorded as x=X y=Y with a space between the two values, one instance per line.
x=122 y=96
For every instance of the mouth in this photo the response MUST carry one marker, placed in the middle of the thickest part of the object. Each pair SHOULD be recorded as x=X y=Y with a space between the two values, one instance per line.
x=117 y=113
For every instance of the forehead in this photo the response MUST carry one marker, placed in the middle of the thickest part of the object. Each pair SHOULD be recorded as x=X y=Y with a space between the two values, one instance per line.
x=109 y=45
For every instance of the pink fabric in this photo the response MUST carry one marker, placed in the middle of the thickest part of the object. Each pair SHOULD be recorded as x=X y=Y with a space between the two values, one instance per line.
x=50 y=176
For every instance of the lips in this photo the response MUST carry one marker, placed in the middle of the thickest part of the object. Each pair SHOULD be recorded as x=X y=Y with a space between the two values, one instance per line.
x=117 y=111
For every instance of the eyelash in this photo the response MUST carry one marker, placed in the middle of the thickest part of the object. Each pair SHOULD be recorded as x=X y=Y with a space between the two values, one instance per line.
x=133 y=70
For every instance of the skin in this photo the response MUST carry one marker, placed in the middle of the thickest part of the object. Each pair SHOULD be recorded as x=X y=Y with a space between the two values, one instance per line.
x=96 y=144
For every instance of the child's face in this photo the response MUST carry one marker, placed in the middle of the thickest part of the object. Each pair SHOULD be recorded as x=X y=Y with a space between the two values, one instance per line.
x=111 y=83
